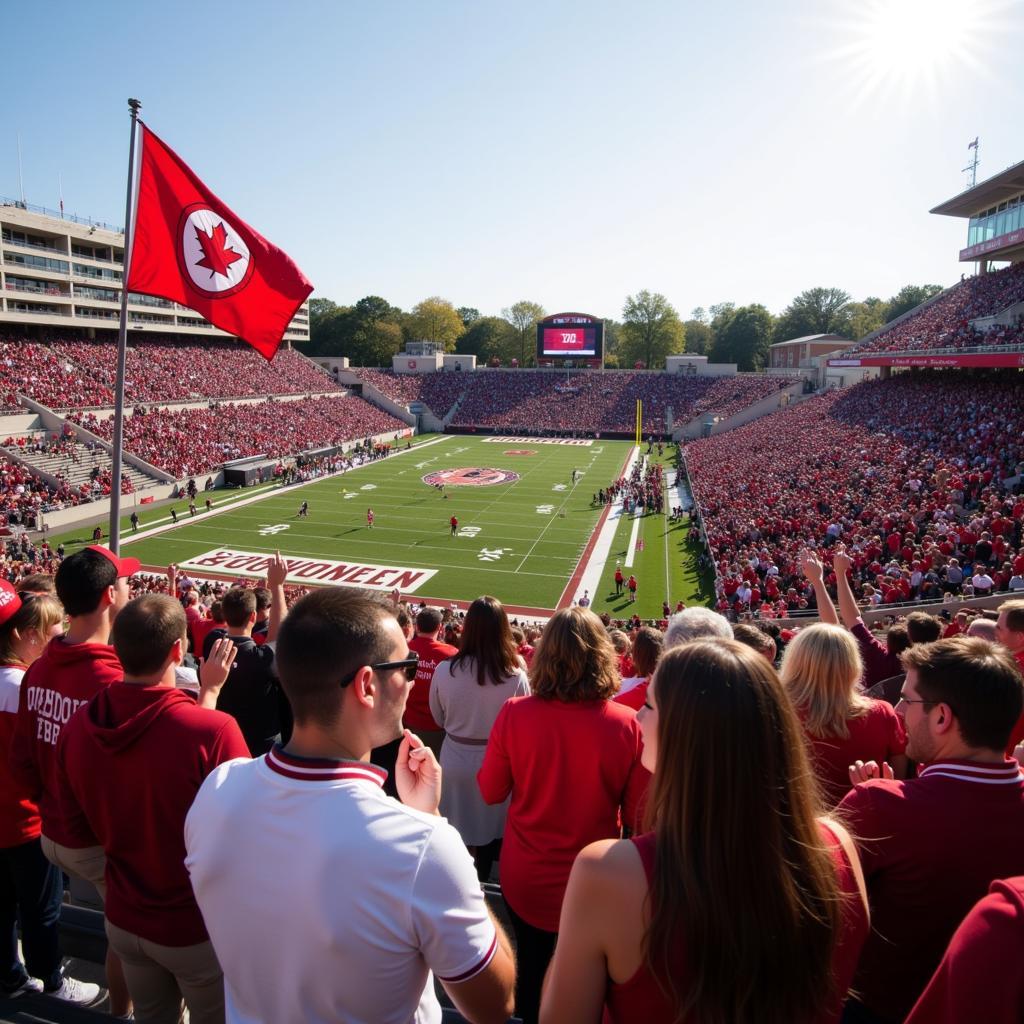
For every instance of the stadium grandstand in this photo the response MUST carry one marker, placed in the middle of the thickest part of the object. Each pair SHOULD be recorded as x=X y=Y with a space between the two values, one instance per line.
x=914 y=479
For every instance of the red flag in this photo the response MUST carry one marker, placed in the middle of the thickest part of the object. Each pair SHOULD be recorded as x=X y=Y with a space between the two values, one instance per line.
x=187 y=246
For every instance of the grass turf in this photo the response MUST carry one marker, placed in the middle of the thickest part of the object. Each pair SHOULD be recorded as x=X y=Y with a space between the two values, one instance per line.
x=519 y=540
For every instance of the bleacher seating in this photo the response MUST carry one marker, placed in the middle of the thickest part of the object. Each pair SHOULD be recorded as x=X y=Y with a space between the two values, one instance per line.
x=437 y=391
x=85 y=470
x=185 y=442
x=881 y=458
x=589 y=402
x=64 y=374
x=946 y=322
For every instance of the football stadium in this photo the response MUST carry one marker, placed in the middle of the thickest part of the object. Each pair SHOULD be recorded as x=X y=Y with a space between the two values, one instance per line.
x=372 y=664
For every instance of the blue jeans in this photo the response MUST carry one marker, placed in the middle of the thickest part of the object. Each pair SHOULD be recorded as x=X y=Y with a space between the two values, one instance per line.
x=30 y=892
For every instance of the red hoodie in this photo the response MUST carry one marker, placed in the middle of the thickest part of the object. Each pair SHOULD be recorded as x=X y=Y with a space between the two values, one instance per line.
x=133 y=762
x=61 y=680
x=19 y=816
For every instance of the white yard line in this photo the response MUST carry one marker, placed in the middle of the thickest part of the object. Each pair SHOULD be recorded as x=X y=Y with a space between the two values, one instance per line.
x=592 y=574
x=129 y=538
x=668 y=579
x=631 y=550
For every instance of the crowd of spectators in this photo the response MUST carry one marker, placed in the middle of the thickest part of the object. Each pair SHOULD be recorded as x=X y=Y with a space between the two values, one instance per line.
x=437 y=391
x=79 y=374
x=598 y=402
x=907 y=473
x=584 y=882
x=946 y=322
x=538 y=401
x=185 y=442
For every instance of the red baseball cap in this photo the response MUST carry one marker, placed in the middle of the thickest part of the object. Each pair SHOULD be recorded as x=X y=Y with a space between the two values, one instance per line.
x=10 y=602
x=125 y=566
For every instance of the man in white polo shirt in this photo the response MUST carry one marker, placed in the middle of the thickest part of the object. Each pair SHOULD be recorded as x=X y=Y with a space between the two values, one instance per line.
x=327 y=900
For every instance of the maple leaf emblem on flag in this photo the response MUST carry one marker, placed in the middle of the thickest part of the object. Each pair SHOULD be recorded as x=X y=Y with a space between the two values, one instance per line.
x=218 y=256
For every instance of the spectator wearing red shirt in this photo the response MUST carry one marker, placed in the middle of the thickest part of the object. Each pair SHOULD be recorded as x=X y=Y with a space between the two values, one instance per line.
x=30 y=886
x=92 y=585
x=542 y=751
x=931 y=846
x=679 y=923
x=431 y=652
x=821 y=671
x=131 y=763
x=203 y=627
x=981 y=976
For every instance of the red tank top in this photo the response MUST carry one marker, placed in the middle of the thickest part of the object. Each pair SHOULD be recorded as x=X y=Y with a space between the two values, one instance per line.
x=641 y=1001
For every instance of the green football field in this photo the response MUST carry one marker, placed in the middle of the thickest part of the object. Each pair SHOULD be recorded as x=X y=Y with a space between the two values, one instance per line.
x=523 y=529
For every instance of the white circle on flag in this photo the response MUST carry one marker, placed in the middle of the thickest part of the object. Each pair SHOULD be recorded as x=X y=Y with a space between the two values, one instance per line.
x=214 y=255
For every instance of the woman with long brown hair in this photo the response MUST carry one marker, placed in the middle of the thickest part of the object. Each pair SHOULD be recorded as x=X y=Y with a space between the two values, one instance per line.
x=821 y=671
x=741 y=903
x=466 y=694
x=570 y=758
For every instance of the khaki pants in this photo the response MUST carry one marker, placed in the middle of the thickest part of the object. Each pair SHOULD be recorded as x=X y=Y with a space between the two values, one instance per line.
x=159 y=977
x=89 y=863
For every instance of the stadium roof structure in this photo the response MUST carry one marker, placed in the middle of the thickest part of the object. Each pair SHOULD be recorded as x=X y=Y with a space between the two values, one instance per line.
x=1004 y=185
x=814 y=339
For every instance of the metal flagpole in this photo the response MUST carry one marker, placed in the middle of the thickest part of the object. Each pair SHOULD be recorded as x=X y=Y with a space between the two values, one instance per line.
x=122 y=345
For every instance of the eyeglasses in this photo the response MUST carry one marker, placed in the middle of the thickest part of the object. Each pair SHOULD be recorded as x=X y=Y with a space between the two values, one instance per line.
x=908 y=700
x=408 y=666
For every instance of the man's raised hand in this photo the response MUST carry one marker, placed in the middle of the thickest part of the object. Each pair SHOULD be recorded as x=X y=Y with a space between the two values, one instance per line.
x=214 y=671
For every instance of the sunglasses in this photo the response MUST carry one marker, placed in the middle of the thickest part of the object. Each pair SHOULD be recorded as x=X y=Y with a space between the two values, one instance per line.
x=408 y=666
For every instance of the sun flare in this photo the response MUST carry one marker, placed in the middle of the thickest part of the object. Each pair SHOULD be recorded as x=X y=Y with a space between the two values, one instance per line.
x=906 y=46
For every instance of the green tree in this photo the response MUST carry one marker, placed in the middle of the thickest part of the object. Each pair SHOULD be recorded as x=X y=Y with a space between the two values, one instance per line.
x=435 y=319
x=523 y=317
x=699 y=336
x=612 y=341
x=744 y=338
x=374 y=342
x=468 y=315
x=908 y=297
x=865 y=317
x=815 y=311
x=651 y=330
x=369 y=332
x=487 y=337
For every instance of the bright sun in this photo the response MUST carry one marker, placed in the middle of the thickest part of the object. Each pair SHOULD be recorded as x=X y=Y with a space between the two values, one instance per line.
x=904 y=45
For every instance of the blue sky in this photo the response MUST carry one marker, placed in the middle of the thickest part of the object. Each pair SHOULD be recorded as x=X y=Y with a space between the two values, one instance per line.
x=567 y=153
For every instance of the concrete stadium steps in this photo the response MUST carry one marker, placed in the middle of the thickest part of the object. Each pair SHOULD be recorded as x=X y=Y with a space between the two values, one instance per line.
x=76 y=473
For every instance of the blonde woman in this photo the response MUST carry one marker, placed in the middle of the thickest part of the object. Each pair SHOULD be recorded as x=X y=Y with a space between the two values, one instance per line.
x=30 y=886
x=821 y=671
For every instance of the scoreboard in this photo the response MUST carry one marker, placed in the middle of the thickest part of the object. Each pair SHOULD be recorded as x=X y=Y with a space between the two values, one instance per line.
x=570 y=337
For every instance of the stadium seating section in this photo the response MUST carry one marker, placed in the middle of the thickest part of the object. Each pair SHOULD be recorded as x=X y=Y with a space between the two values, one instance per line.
x=537 y=400
x=888 y=457
x=185 y=442
x=946 y=322
x=65 y=374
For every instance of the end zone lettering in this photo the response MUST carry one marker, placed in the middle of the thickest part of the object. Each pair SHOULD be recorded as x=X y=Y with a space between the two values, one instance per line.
x=579 y=442
x=313 y=571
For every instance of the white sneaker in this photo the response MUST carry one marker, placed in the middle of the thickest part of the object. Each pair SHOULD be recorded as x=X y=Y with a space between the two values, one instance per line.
x=26 y=986
x=81 y=993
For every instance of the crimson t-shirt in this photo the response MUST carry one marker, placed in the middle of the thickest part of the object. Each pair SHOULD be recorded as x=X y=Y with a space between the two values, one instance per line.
x=876 y=735
x=417 y=708
x=542 y=752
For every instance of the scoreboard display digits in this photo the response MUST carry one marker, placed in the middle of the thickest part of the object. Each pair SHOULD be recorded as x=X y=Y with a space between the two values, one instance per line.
x=572 y=338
